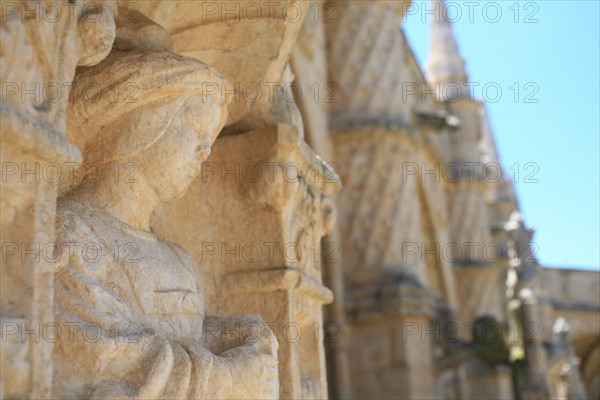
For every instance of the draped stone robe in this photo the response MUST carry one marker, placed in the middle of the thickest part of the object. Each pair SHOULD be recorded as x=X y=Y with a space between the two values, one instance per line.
x=130 y=311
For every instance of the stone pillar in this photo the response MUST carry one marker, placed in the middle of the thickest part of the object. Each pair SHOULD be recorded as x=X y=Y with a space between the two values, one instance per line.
x=482 y=381
x=392 y=341
x=415 y=355
x=535 y=351
x=309 y=63
x=28 y=207
x=336 y=325
x=265 y=258
x=42 y=42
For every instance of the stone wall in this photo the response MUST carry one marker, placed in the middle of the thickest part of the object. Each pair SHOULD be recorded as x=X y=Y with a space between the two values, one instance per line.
x=172 y=173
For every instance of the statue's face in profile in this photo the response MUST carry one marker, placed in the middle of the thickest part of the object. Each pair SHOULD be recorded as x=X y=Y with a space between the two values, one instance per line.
x=175 y=160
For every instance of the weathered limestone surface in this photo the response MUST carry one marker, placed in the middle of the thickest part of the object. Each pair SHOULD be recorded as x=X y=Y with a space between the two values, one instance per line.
x=191 y=254
x=41 y=43
x=317 y=95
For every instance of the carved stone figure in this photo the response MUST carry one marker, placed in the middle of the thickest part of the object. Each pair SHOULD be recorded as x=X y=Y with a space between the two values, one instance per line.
x=129 y=305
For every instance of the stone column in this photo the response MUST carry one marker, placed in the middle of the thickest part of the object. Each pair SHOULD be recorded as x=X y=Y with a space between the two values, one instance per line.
x=309 y=63
x=42 y=42
x=482 y=381
x=265 y=258
x=536 y=354
x=392 y=341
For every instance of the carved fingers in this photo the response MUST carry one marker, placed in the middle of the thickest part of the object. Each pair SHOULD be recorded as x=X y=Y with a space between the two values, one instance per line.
x=254 y=374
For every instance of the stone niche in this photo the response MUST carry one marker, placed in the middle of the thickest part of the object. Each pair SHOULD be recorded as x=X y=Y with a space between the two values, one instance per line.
x=253 y=221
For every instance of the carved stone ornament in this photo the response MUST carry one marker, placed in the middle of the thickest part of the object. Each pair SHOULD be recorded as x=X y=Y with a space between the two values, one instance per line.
x=134 y=301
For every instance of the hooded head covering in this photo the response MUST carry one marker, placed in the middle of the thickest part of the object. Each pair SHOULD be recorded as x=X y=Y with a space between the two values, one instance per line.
x=114 y=112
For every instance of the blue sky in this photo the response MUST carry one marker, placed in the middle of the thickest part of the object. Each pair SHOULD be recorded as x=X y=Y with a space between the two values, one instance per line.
x=550 y=49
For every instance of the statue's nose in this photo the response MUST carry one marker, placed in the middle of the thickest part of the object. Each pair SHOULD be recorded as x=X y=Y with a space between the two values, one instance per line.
x=202 y=153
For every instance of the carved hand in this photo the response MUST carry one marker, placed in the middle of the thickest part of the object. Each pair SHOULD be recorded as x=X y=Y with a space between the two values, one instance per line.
x=224 y=333
x=253 y=374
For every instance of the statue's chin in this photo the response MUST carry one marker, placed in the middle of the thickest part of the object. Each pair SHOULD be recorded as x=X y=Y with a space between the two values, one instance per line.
x=175 y=193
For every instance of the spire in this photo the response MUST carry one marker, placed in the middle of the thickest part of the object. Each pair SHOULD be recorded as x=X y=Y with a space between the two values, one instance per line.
x=445 y=63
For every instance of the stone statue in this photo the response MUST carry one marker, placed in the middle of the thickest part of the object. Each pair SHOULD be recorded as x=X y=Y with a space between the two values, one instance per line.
x=129 y=306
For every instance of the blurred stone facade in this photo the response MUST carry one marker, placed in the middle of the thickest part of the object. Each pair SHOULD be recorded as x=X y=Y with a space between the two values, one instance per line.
x=425 y=287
